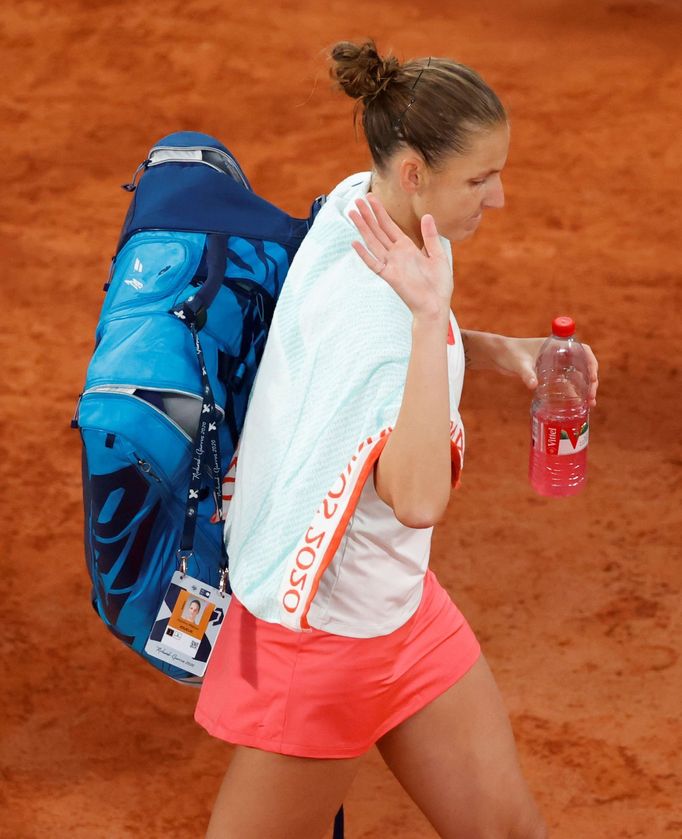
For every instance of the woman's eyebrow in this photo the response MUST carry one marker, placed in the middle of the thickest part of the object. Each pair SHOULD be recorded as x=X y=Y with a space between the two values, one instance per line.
x=488 y=172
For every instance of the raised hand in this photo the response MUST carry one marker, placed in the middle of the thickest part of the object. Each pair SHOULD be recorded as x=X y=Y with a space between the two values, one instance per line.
x=422 y=278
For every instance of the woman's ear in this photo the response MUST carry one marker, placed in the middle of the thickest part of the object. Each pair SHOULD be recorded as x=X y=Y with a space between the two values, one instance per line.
x=411 y=173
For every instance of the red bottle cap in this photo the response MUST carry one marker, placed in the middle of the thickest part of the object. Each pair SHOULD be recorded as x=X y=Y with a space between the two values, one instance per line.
x=563 y=327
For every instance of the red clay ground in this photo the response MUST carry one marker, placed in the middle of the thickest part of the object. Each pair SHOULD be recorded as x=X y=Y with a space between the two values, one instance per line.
x=576 y=602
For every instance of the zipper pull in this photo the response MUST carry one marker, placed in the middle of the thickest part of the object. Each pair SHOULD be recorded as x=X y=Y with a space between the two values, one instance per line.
x=74 y=419
x=106 y=285
x=146 y=467
x=132 y=186
x=260 y=306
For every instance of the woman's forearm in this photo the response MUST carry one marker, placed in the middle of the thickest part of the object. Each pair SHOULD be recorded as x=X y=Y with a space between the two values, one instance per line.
x=413 y=473
x=505 y=355
x=481 y=349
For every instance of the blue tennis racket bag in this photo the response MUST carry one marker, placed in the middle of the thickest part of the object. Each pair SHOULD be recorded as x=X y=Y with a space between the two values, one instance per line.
x=198 y=269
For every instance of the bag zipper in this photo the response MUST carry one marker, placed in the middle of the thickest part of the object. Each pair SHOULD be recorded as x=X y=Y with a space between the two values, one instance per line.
x=231 y=164
x=123 y=388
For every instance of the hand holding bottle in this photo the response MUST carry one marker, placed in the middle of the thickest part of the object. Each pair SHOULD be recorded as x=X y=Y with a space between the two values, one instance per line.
x=560 y=413
x=517 y=357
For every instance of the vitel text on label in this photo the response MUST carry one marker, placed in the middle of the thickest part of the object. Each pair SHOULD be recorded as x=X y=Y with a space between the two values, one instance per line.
x=557 y=437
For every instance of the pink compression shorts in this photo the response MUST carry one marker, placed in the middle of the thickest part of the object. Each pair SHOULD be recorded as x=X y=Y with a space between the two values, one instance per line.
x=315 y=694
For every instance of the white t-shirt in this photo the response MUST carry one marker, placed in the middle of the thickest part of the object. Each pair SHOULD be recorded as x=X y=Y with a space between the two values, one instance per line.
x=374 y=583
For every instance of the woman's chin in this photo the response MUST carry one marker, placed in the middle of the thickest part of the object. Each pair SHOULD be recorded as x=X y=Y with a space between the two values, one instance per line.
x=465 y=230
x=460 y=235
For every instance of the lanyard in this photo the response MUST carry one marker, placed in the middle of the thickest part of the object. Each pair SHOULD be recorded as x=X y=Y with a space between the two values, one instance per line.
x=205 y=465
x=206 y=452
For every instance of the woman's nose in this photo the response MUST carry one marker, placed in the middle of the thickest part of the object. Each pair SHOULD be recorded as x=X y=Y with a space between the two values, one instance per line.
x=494 y=194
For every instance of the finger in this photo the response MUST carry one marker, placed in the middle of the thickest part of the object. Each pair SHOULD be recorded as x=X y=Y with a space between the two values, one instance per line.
x=374 y=264
x=528 y=376
x=432 y=243
x=592 y=363
x=373 y=223
x=373 y=244
x=593 y=371
x=389 y=227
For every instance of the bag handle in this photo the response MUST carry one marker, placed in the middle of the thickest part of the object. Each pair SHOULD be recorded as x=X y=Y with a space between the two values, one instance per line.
x=195 y=308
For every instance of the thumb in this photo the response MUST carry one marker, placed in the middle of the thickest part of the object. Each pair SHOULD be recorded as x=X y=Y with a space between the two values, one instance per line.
x=528 y=377
x=432 y=243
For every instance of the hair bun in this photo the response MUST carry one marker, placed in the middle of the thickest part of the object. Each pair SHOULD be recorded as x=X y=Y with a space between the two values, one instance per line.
x=360 y=71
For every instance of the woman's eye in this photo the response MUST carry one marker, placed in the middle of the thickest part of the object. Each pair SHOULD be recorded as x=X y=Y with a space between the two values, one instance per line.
x=477 y=182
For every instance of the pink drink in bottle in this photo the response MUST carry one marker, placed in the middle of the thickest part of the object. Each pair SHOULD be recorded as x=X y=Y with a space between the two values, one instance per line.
x=560 y=414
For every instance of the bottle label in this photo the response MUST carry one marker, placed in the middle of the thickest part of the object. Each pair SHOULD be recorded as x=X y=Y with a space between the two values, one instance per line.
x=560 y=437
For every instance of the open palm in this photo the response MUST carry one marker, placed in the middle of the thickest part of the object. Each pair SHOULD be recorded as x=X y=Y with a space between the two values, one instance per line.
x=421 y=277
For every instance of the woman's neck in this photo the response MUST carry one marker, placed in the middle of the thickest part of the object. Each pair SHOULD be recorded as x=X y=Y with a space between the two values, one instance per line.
x=398 y=207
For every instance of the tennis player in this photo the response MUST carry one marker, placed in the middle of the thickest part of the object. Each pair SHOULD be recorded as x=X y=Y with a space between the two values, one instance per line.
x=339 y=637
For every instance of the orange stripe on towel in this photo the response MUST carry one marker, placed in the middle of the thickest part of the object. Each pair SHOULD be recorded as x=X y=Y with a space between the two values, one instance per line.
x=343 y=523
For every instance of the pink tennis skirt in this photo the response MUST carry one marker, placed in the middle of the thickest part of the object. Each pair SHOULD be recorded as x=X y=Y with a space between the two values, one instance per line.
x=316 y=694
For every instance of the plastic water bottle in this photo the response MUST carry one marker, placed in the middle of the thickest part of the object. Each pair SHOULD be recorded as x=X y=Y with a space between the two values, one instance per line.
x=560 y=414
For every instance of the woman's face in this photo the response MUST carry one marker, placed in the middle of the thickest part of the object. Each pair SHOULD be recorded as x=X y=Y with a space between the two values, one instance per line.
x=457 y=194
x=193 y=610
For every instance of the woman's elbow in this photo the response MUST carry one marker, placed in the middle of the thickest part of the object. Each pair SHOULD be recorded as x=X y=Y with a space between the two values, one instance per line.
x=421 y=516
x=415 y=504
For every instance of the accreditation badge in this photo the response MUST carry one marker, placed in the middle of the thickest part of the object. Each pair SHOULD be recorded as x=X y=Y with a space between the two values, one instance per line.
x=187 y=625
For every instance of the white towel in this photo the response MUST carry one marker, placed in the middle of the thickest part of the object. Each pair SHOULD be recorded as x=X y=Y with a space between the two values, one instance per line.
x=325 y=398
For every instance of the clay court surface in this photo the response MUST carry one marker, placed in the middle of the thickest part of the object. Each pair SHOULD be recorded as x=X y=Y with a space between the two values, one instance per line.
x=576 y=602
